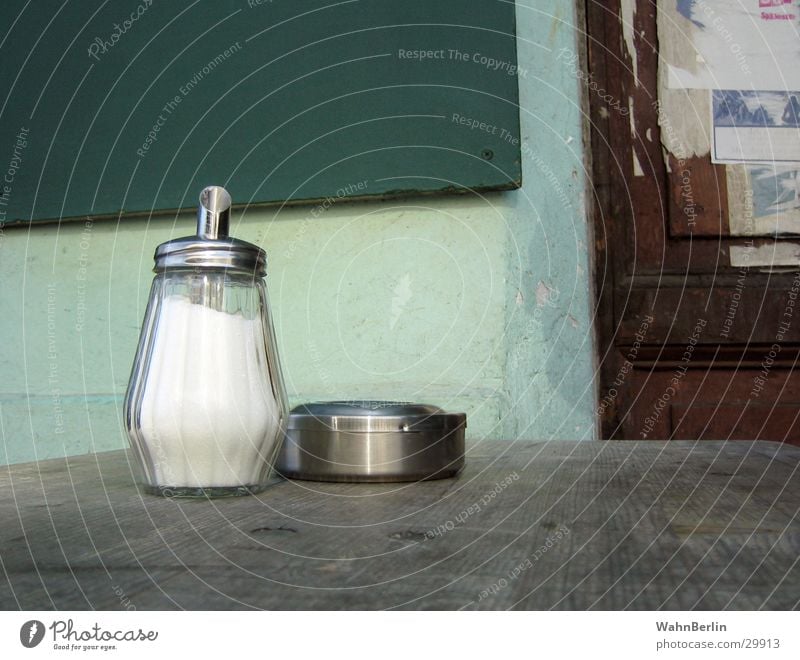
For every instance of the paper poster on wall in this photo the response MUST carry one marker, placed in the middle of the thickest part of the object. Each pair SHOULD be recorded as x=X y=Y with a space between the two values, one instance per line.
x=733 y=44
x=755 y=127
x=763 y=200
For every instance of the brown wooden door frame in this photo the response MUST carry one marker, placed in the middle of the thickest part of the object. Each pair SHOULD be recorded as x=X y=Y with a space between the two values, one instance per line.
x=658 y=277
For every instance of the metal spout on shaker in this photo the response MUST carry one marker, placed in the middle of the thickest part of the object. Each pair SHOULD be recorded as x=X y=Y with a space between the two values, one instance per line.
x=213 y=222
x=214 y=213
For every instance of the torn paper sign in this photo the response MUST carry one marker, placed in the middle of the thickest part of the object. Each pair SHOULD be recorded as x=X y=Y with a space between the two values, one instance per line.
x=755 y=127
x=732 y=44
x=763 y=200
x=772 y=255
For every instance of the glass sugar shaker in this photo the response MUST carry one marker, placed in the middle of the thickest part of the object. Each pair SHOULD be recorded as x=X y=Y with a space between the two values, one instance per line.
x=206 y=409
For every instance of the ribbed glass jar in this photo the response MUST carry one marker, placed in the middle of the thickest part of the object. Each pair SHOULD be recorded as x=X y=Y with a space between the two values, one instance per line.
x=206 y=408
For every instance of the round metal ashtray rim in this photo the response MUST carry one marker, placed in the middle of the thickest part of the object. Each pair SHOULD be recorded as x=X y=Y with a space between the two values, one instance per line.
x=377 y=424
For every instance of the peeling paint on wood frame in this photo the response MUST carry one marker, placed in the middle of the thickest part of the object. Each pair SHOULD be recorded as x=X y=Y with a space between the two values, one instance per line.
x=627 y=11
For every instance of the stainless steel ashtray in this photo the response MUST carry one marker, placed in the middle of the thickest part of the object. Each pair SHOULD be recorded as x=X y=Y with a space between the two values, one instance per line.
x=372 y=441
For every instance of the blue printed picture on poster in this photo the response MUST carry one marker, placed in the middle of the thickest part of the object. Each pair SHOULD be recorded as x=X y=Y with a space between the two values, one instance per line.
x=756 y=126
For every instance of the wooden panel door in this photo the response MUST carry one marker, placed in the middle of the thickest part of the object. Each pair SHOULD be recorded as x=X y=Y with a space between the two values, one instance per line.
x=692 y=347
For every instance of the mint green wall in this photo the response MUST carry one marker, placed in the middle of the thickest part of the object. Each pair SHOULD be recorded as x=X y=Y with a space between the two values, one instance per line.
x=479 y=304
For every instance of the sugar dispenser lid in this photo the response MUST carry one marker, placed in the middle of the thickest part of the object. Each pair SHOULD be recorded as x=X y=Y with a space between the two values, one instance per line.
x=211 y=247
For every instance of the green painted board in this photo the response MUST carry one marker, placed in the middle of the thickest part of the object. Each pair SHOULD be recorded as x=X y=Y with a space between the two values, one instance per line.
x=133 y=107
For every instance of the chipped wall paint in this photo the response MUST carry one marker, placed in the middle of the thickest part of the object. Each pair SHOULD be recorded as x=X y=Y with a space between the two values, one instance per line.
x=429 y=299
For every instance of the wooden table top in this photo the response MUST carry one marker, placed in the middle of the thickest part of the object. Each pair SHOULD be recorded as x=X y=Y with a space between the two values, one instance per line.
x=527 y=525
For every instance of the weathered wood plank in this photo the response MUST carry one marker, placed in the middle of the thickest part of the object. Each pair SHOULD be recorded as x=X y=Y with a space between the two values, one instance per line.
x=608 y=525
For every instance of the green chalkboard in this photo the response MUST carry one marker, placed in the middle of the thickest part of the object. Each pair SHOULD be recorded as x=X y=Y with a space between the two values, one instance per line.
x=133 y=107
